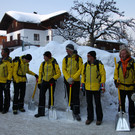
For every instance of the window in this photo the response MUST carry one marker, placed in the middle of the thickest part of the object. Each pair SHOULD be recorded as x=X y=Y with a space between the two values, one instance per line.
x=11 y=38
x=36 y=37
x=47 y=38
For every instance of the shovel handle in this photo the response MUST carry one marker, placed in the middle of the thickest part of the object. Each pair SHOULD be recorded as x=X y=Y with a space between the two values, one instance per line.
x=70 y=89
x=117 y=81
x=51 y=94
x=34 y=90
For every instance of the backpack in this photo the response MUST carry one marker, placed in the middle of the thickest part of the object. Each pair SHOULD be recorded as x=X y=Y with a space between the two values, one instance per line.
x=17 y=59
x=131 y=63
x=66 y=60
x=53 y=63
x=77 y=59
x=97 y=64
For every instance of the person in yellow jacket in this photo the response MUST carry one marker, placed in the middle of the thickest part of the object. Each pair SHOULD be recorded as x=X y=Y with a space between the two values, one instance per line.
x=20 y=68
x=126 y=82
x=93 y=82
x=5 y=80
x=49 y=72
x=71 y=67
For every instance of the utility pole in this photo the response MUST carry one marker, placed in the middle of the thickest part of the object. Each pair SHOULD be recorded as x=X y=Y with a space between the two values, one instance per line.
x=23 y=42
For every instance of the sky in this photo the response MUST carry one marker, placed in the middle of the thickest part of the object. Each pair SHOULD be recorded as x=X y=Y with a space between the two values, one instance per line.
x=33 y=126
x=50 y=6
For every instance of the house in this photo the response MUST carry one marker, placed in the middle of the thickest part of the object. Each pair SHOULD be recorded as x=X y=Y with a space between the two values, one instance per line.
x=31 y=28
x=3 y=38
x=110 y=46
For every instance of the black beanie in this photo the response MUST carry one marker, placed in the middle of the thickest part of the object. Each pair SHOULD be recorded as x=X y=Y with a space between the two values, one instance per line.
x=70 y=47
x=28 y=57
x=92 y=53
x=48 y=54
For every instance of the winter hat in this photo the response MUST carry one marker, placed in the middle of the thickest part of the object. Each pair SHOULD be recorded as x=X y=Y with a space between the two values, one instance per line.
x=28 y=57
x=92 y=53
x=48 y=54
x=70 y=47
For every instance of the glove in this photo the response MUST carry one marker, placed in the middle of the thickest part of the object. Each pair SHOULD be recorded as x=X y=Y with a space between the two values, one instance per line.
x=70 y=80
x=52 y=81
x=133 y=97
x=39 y=86
x=102 y=87
x=116 y=83
x=36 y=76
x=82 y=88
x=7 y=85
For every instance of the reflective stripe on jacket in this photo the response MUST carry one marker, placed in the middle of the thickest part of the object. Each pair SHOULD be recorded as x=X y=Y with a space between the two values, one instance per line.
x=47 y=72
x=72 y=69
x=6 y=70
x=92 y=77
x=128 y=80
x=19 y=71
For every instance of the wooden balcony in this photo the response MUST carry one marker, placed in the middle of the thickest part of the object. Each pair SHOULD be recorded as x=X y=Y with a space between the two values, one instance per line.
x=13 y=43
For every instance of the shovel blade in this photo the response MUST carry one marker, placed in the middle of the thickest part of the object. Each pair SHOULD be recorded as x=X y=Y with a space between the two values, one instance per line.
x=31 y=105
x=122 y=123
x=52 y=114
x=69 y=114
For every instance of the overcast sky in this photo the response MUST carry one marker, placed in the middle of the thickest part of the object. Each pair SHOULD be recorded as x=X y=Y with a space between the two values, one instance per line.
x=49 y=6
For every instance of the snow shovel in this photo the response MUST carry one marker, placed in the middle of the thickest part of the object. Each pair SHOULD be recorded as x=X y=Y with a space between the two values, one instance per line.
x=31 y=104
x=52 y=111
x=122 y=122
x=69 y=111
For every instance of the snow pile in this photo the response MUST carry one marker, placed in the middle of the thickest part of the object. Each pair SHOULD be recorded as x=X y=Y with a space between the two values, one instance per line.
x=109 y=98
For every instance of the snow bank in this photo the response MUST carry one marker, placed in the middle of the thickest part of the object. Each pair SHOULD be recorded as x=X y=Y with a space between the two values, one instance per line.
x=109 y=98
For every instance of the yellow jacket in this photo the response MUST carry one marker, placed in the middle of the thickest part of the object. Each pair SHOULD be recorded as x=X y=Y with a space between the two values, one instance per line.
x=92 y=78
x=48 y=71
x=20 y=70
x=72 y=69
x=129 y=79
x=6 y=69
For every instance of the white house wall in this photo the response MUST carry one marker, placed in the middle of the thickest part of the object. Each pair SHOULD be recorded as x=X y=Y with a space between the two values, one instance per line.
x=27 y=36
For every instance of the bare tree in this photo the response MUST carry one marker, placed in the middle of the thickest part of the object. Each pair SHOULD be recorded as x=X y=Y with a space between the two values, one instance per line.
x=95 y=21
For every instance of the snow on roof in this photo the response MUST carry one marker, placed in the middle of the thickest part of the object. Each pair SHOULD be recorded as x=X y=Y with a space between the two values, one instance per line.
x=32 y=17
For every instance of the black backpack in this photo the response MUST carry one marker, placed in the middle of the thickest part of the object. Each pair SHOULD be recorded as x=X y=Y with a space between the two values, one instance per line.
x=131 y=63
x=77 y=59
x=97 y=64
x=53 y=63
x=17 y=59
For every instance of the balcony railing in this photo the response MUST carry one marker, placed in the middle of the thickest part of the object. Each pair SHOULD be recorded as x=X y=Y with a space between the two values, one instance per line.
x=13 y=43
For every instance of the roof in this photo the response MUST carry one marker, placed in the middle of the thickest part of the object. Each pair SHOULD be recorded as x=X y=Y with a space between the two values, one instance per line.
x=27 y=17
x=109 y=41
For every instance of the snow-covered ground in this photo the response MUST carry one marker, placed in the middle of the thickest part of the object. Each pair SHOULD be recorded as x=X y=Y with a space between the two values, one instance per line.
x=27 y=124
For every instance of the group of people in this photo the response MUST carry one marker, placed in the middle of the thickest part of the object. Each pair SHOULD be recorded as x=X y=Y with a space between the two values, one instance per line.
x=90 y=77
x=13 y=70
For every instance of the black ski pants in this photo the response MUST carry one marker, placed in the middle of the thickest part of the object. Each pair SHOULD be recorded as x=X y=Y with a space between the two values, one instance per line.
x=42 y=96
x=90 y=110
x=75 y=99
x=131 y=107
x=19 y=95
x=4 y=101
